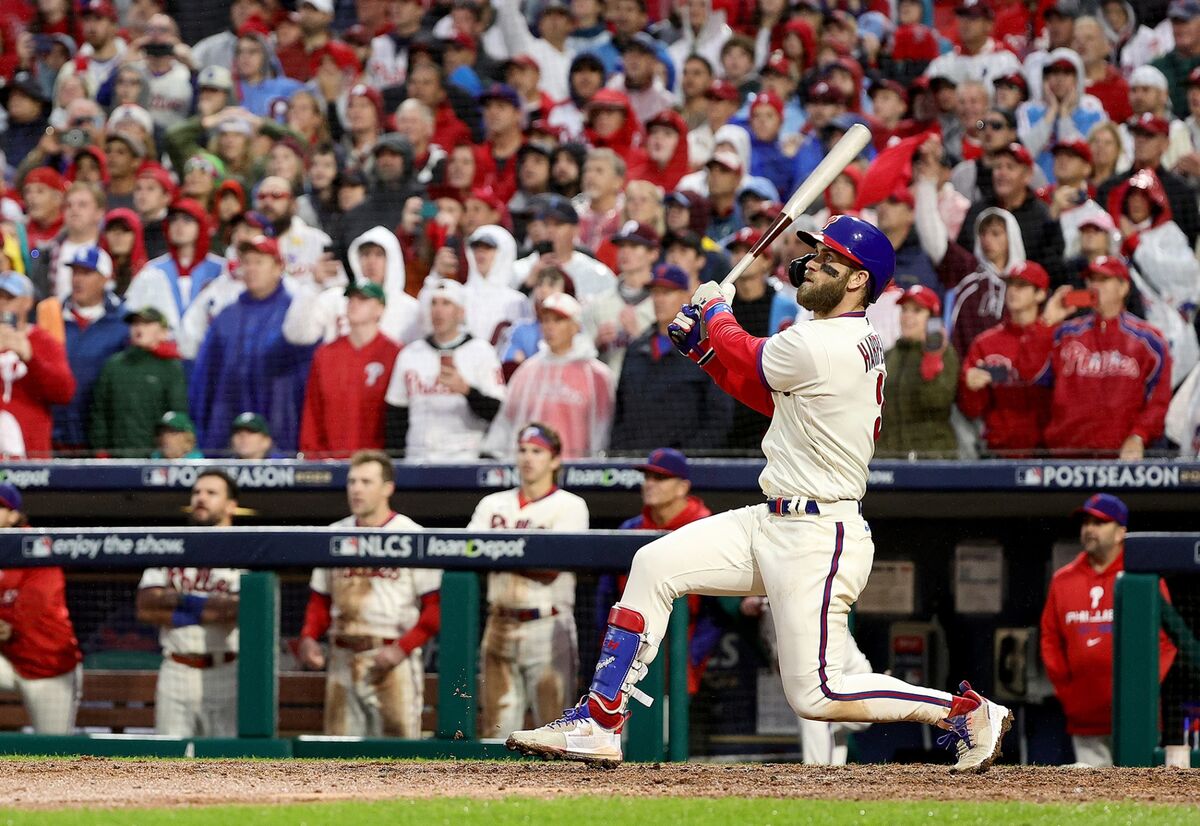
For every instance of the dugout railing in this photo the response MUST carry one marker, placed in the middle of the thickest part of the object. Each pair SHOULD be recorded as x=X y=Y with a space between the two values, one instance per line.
x=1139 y=616
x=655 y=734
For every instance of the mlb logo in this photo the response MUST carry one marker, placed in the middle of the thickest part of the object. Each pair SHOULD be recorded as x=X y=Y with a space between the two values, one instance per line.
x=343 y=546
x=495 y=477
x=1029 y=476
x=154 y=477
x=36 y=547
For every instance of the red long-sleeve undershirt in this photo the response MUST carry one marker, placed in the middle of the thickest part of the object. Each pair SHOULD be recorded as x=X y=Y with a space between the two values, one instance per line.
x=317 y=619
x=736 y=363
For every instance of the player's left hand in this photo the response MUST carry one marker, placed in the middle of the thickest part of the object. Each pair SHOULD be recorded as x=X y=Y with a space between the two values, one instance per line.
x=711 y=291
x=388 y=658
x=686 y=330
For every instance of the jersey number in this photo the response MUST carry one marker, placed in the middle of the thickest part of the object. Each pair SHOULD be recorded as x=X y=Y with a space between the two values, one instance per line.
x=879 y=401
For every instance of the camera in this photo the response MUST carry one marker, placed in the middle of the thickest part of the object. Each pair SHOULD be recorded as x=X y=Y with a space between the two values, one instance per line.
x=158 y=49
x=76 y=138
x=8 y=319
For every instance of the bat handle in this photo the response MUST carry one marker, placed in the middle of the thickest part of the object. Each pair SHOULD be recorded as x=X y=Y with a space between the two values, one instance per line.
x=738 y=270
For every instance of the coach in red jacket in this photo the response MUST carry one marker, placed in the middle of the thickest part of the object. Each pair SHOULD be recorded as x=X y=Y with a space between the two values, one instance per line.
x=39 y=656
x=1111 y=373
x=1077 y=623
x=34 y=374
x=999 y=381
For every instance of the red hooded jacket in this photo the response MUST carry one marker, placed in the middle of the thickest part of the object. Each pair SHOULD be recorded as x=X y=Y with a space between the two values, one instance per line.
x=628 y=139
x=33 y=601
x=1014 y=413
x=666 y=176
x=28 y=389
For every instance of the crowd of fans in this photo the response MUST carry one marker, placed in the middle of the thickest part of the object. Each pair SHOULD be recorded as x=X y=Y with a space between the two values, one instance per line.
x=261 y=227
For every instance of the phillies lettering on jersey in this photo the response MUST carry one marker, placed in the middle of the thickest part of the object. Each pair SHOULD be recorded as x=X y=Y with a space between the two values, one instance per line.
x=196 y=581
x=205 y=582
x=1079 y=360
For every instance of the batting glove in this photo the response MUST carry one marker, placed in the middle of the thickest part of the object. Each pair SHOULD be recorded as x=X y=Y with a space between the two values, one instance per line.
x=712 y=298
x=687 y=334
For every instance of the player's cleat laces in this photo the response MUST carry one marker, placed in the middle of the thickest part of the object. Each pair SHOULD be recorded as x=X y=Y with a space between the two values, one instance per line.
x=958 y=738
x=976 y=729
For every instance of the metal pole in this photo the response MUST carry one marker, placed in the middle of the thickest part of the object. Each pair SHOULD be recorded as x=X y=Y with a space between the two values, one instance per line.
x=677 y=714
x=258 y=673
x=1135 y=669
x=458 y=656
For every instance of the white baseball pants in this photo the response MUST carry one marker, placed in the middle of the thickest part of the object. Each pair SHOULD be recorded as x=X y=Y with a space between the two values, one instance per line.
x=355 y=707
x=812 y=569
x=196 y=702
x=526 y=665
x=50 y=702
x=1093 y=750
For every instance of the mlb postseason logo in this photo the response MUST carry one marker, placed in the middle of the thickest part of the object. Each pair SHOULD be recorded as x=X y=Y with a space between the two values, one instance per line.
x=155 y=477
x=375 y=547
x=1029 y=477
x=36 y=547
x=497 y=477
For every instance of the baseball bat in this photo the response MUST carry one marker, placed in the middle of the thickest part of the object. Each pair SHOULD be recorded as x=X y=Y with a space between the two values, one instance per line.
x=838 y=158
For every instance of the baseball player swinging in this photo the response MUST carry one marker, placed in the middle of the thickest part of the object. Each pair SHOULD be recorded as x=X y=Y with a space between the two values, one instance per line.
x=807 y=548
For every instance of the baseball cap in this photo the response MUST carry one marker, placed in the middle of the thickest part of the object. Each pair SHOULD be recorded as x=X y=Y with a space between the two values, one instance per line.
x=323 y=6
x=556 y=6
x=1149 y=124
x=1183 y=10
x=823 y=92
x=26 y=84
x=1015 y=80
x=756 y=187
x=726 y=158
x=632 y=232
x=778 y=64
x=1108 y=266
x=1031 y=272
x=642 y=42
x=10 y=497
x=500 y=91
x=176 y=420
x=215 y=77
x=158 y=174
x=975 y=8
x=47 y=177
x=678 y=199
x=251 y=421
x=132 y=141
x=688 y=240
x=722 y=90
x=556 y=208
x=667 y=461
x=461 y=40
x=1193 y=78
x=92 y=258
x=367 y=289
x=482 y=239
x=563 y=305
x=392 y=142
x=98 y=8
x=1063 y=8
x=1105 y=506
x=1077 y=147
x=1099 y=220
x=1018 y=153
x=521 y=60
x=888 y=86
x=362 y=90
x=263 y=244
x=902 y=195
x=240 y=126
x=922 y=296
x=746 y=236
x=671 y=277
x=447 y=288
x=132 y=112
x=767 y=98
x=15 y=284
x=1148 y=76
x=539 y=434
x=488 y=195
x=147 y=313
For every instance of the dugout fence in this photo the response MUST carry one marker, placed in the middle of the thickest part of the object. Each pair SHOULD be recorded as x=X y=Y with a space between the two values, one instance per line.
x=655 y=734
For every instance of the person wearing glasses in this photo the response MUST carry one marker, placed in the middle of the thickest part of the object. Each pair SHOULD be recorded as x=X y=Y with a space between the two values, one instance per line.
x=996 y=130
x=303 y=247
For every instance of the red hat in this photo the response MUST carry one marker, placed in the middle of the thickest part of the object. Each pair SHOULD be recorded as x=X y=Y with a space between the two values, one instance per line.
x=632 y=232
x=1077 y=147
x=1062 y=64
x=609 y=99
x=746 y=236
x=99 y=8
x=891 y=86
x=522 y=60
x=159 y=175
x=1149 y=123
x=1018 y=153
x=344 y=57
x=47 y=177
x=1099 y=220
x=823 y=92
x=1108 y=266
x=463 y=40
x=767 y=98
x=255 y=26
x=1193 y=78
x=488 y=196
x=362 y=90
x=439 y=191
x=721 y=90
x=778 y=63
x=922 y=296
x=358 y=35
x=1031 y=272
x=975 y=8
x=263 y=244
x=1016 y=80
x=902 y=195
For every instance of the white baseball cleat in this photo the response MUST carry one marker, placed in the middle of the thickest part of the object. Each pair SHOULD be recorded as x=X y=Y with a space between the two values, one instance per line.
x=977 y=728
x=574 y=736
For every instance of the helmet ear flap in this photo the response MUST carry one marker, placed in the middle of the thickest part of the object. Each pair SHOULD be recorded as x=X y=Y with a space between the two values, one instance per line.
x=797 y=267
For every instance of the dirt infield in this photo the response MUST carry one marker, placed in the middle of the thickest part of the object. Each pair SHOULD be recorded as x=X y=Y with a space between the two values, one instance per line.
x=105 y=782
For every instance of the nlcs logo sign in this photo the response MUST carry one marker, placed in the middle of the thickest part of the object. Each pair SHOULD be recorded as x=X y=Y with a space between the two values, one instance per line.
x=376 y=547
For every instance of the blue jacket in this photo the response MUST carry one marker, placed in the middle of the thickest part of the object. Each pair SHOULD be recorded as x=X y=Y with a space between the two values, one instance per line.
x=812 y=152
x=245 y=364
x=768 y=161
x=257 y=97
x=87 y=350
x=914 y=266
x=610 y=56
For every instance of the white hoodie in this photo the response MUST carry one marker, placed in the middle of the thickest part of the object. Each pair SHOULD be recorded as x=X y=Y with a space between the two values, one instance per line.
x=987 y=282
x=319 y=314
x=491 y=305
x=732 y=134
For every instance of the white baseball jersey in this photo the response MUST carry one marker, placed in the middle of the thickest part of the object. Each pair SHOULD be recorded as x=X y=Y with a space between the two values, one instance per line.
x=375 y=602
x=196 y=639
x=441 y=426
x=508 y=510
x=302 y=247
x=826 y=378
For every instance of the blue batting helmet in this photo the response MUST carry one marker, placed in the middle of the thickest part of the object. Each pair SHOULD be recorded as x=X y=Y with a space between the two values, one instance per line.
x=862 y=243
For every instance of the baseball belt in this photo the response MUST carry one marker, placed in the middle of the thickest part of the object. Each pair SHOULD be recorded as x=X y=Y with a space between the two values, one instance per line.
x=361 y=643
x=204 y=660
x=797 y=505
x=521 y=614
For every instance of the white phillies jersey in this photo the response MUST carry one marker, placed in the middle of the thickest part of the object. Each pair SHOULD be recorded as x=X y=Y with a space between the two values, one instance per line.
x=302 y=247
x=509 y=511
x=826 y=378
x=206 y=582
x=375 y=602
x=441 y=426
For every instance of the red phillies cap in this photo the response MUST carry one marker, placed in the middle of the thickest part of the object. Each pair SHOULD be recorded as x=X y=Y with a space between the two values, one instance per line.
x=159 y=175
x=767 y=98
x=370 y=93
x=823 y=92
x=976 y=8
x=1062 y=64
x=488 y=196
x=1149 y=124
x=47 y=177
x=1031 y=272
x=99 y=8
x=778 y=63
x=263 y=244
x=1015 y=80
x=1077 y=147
x=889 y=86
x=1018 y=153
x=746 y=236
x=1108 y=266
x=1193 y=78
x=902 y=195
x=344 y=57
x=463 y=40
x=922 y=296
x=722 y=90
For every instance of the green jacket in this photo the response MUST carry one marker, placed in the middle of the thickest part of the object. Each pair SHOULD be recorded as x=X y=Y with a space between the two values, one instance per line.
x=1177 y=68
x=916 y=413
x=186 y=138
x=133 y=392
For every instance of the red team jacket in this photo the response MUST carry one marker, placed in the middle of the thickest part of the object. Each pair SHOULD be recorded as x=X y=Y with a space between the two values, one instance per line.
x=344 y=405
x=28 y=390
x=1077 y=643
x=33 y=601
x=1111 y=379
x=1015 y=413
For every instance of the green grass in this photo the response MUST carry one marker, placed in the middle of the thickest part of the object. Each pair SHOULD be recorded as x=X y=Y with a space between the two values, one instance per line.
x=581 y=811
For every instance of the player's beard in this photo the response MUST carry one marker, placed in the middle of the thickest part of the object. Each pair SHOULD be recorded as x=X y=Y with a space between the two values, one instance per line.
x=822 y=298
x=203 y=519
